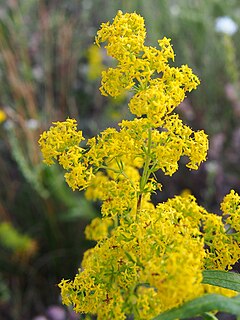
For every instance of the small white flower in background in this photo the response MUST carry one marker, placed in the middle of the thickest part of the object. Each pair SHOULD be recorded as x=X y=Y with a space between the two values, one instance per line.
x=175 y=10
x=32 y=124
x=8 y=125
x=212 y=167
x=38 y=73
x=226 y=25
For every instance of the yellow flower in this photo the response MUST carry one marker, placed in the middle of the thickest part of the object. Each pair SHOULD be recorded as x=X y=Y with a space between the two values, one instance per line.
x=58 y=139
x=148 y=258
x=231 y=209
x=3 y=116
x=125 y=36
x=94 y=62
x=155 y=262
x=98 y=229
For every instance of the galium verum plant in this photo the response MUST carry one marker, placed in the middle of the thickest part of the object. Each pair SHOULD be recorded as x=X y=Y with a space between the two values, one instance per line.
x=147 y=259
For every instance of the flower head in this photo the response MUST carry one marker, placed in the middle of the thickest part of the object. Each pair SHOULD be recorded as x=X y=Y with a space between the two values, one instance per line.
x=3 y=116
x=226 y=25
x=147 y=258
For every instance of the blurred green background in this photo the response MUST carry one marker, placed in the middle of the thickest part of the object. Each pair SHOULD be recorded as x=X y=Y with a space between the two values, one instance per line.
x=50 y=70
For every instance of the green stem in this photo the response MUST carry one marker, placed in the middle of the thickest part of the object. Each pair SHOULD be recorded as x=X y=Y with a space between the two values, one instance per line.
x=120 y=171
x=146 y=171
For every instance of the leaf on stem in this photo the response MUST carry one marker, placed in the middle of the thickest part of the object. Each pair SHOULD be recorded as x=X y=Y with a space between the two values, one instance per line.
x=201 y=305
x=224 y=279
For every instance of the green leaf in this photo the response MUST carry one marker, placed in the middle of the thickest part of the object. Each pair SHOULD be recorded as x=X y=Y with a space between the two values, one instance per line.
x=201 y=305
x=209 y=316
x=129 y=256
x=229 y=280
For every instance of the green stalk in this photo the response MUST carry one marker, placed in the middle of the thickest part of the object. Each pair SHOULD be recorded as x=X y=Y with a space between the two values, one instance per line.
x=146 y=170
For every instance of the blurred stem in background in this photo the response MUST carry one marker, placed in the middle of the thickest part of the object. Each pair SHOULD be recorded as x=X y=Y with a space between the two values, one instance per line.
x=231 y=61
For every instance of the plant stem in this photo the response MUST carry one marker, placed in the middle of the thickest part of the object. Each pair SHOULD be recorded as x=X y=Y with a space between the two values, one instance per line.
x=146 y=171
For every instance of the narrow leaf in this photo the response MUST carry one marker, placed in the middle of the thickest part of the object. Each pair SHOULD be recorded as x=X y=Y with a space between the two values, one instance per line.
x=209 y=316
x=229 y=280
x=201 y=305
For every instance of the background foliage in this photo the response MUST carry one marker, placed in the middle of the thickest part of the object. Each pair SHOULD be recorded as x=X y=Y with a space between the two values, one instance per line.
x=49 y=71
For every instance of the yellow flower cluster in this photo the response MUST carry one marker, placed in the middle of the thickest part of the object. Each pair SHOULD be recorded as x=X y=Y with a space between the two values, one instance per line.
x=231 y=209
x=162 y=149
x=156 y=136
x=160 y=88
x=60 y=140
x=125 y=35
x=98 y=229
x=95 y=66
x=3 y=116
x=147 y=259
x=149 y=265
